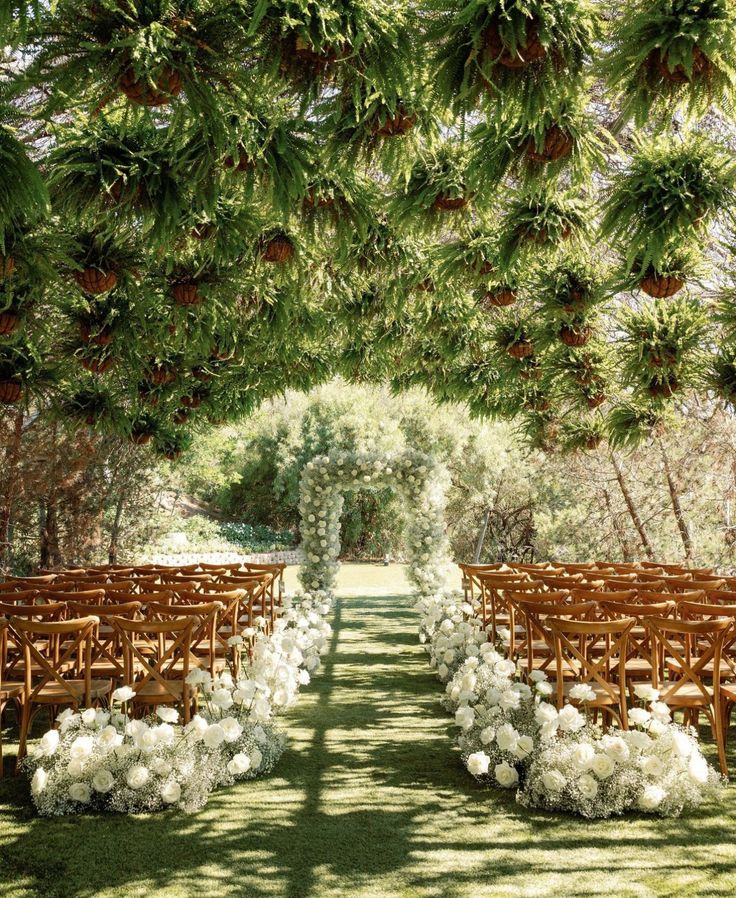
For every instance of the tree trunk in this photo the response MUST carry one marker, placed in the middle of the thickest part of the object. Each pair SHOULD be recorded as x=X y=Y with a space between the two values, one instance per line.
x=49 y=554
x=632 y=509
x=620 y=532
x=482 y=536
x=676 y=505
x=112 y=551
x=12 y=459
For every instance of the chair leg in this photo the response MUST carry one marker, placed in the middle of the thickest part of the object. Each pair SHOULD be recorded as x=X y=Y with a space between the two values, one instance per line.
x=720 y=738
x=25 y=723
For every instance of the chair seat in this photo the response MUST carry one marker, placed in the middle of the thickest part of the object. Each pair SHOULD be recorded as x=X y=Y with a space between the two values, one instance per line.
x=10 y=691
x=56 y=694
x=154 y=692
x=686 y=696
x=602 y=696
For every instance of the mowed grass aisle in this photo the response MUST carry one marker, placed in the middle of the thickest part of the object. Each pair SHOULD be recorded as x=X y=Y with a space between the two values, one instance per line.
x=370 y=800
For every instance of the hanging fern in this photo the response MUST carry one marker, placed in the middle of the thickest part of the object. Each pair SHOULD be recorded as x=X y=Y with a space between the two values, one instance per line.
x=23 y=194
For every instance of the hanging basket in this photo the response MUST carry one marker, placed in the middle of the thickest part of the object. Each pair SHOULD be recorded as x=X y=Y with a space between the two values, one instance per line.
x=10 y=391
x=664 y=389
x=181 y=416
x=9 y=322
x=497 y=52
x=160 y=375
x=277 y=250
x=425 y=286
x=98 y=366
x=91 y=419
x=172 y=454
x=204 y=231
x=596 y=400
x=575 y=337
x=201 y=374
x=396 y=125
x=193 y=401
x=312 y=200
x=138 y=90
x=7 y=266
x=94 y=281
x=141 y=437
x=557 y=145
x=661 y=286
x=242 y=164
x=444 y=203
x=702 y=66
x=186 y=293
x=593 y=442
x=520 y=349
x=100 y=337
x=498 y=299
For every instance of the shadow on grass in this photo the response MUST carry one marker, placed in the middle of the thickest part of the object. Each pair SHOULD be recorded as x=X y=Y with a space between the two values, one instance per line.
x=370 y=799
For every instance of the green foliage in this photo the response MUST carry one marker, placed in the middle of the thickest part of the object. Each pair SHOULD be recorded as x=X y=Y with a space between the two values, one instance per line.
x=670 y=56
x=23 y=194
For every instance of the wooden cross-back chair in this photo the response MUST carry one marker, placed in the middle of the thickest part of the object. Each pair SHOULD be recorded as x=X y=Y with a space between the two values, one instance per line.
x=19 y=597
x=92 y=596
x=540 y=646
x=276 y=587
x=10 y=691
x=39 y=581
x=470 y=582
x=204 y=640
x=189 y=578
x=720 y=596
x=641 y=655
x=707 y=610
x=694 y=648
x=517 y=602
x=107 y=655
x=677 y=584
x=603 y=672
x=617 y=584
x=650 y=597
x=46 y=680
x=493 y=610
x=156 y=661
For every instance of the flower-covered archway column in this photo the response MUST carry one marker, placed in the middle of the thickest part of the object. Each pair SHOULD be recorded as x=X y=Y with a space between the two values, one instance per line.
x=419 y=479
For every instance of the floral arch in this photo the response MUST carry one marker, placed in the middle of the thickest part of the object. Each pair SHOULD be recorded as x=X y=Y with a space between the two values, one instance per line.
x=418 y=478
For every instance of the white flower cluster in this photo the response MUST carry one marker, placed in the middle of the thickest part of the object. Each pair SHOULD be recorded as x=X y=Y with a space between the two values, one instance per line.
x=512 y=736
x=419 y=479
x=657 y=767
x=107 y=760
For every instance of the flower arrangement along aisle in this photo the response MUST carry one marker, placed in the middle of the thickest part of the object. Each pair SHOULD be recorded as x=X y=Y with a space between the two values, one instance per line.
x=108 y=760
x=419 y=479
x=513 y=736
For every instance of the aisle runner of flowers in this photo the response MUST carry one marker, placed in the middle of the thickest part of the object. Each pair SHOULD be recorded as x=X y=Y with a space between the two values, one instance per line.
x=513 y=736
x=107 y=760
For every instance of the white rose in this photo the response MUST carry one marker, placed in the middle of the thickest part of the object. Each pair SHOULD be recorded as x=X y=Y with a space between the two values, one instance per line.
x=465 y=717
x=256 y=758
x=239 y=764
x=602 y=766
x=638 y=739
x=651 y=765
x=639 y=716
x=570 y=719
x=587 y=786
x=235 y=640
x=505 y=668
x=478 y=763
x=160 y=766
x=232 y=729
x=646 y=692
x=137 y=777
x=524 y=747
x=697 y=769
x=681 y=744
x=544 y=688
x=197 y=726
x=89 y=717
x=168 y=715
x=582 y=755
x=123 y=694
x=81 y=748
x=582 y=692
x=103 y=780
x=80 y=792
x=506 y=775
x=487 y=735
x=108 y=737
x=49 y=743
x=537 y=676
x=507 y=738
x=660 y=712
x=510 y=700
x=545 y=713
x=170 y=792
x=553 y=781
x=214 y=736
x=651 y=798
x=222 y=698
x=39 y=781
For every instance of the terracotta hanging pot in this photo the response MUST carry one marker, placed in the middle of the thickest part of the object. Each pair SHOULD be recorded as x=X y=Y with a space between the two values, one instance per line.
x=201 y=374
x=98 y=366
x=498 y=299
x=160 y=375
x=173 y=454
x=575 y=336
x=312 y=200
x=593 y=442
x=497 y=52
x=520 y=349
x=94 y=281
x=7 y=266
x=445 y=203
x=203 y=231
x=557 y=145
x=181 y=416
x=10 y=391
x=596 y=400
x=278 y=249
x=186 y=293
x=397 y=125
x=240 y=164
x=138 y=90
x=661 y=286
x=9 y=322
x=678 y=74
x=141 y=437
x=101 y=336
x=664 y=389
x=193 y=401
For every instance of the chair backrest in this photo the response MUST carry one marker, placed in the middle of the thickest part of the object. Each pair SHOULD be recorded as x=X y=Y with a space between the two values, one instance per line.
x=93 y=596
x=38 y=581
x=597 y=595
x=19 y=597
x=592 y=651
x=535 y=615
x=156 y=652
x=42 y=669
x=189 y=577
x=696 y=648
x=120 y=609
x=647 y=597
x=205 y=618
x=724 y=596
x=516 y=604
x=678 y=584
x=49 y=611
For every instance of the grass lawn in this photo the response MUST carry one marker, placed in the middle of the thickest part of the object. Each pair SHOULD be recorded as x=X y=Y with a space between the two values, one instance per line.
x=370 y=801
